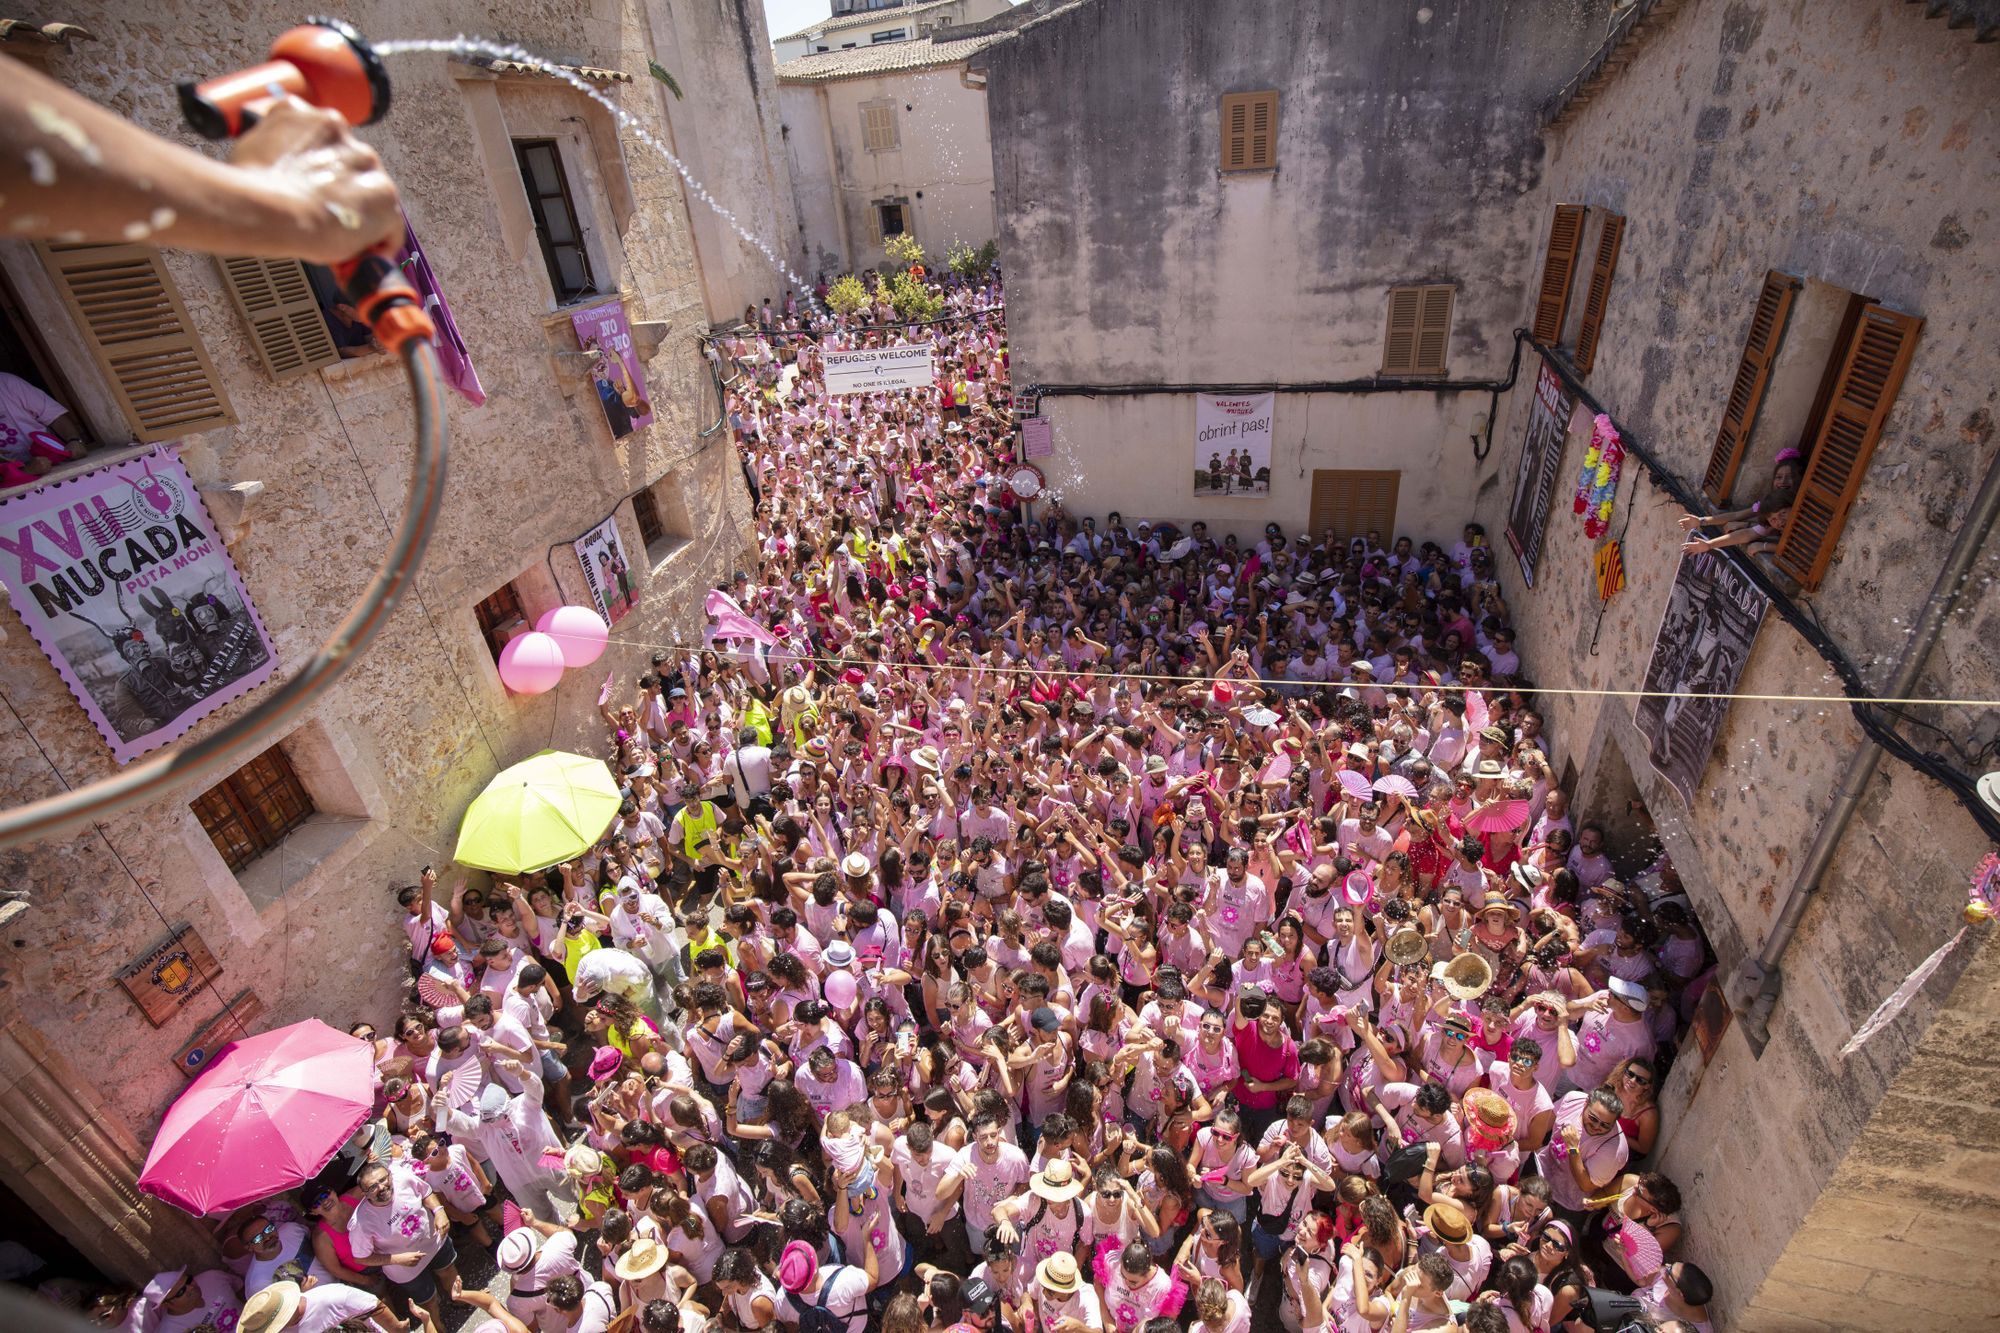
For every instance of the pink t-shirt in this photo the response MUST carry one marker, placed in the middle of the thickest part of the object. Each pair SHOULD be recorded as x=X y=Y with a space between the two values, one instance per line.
x=24 y=409
x=988 y=1183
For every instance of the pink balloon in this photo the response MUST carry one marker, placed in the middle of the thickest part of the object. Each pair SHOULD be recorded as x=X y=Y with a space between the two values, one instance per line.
x=840 y=989
x=531 y=664
x=579 y=631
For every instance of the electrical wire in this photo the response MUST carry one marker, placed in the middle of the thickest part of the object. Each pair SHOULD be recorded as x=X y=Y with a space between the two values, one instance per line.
x=984 y=669
x=263 y=725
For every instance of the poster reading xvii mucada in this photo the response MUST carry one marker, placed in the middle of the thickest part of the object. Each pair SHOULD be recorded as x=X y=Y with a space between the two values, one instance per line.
x=121 y=579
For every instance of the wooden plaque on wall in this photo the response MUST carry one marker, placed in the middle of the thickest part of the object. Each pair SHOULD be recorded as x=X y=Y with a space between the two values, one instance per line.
x=169 y=974
x=233 y=1024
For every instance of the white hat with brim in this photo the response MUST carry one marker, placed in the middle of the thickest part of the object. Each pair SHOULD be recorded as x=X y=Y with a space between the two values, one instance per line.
x=1055 y=1182
x=646 y=1257
x=270 y=1309
x=518 y=1248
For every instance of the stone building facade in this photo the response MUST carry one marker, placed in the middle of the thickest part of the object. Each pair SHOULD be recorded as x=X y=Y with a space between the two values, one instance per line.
x=1402 y=159
x=1845 y=147
x=1838 y=145
x=889 y=139
x=388 y=761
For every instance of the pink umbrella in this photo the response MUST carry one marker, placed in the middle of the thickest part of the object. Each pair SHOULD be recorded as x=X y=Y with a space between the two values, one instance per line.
x=266 y=1115
x=1354 y=784
x=1498 y=817
x=1397 y=784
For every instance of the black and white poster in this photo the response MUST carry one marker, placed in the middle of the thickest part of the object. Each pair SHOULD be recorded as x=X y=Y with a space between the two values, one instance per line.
x=1713 y=613
x=1541 y=464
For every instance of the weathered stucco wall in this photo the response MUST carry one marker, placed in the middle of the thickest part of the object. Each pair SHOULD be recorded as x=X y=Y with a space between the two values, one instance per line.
x=1848 y=145
x=726 y=128
x=401 y=745
x=1136 y=455
x=1405 y=145
x=942 y=165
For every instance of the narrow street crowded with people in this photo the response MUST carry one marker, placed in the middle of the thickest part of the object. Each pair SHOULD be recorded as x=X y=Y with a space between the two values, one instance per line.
x=999 y=666
x=1017 y=922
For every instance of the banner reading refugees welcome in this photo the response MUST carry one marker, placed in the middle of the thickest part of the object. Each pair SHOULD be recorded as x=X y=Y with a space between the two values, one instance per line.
x=121 y=579
x=879 y=369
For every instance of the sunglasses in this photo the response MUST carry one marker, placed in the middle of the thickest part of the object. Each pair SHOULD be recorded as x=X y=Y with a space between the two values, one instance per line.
x=1553 y=1242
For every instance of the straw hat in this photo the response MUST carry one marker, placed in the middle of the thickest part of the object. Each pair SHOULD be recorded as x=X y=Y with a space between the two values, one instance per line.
x=1466 y=977
x=925 y=757
x=855 y=866
x=1055 y=1182
x=270 y=1309
x=1490 y=770
x=1448 y=1223
x=1408 y=946
x=1058 y=1274
x=1498 y=902
x=645 y=1258
x=1489 y=1116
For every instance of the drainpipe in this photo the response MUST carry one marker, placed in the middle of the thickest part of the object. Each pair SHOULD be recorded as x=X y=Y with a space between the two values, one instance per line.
x=833 y=185
x=1753 y=990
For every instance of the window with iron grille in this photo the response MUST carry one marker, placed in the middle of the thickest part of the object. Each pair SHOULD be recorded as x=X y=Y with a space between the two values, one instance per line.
x=499 y=617
x=647 y=511
x=250 y=811
x=555 y=218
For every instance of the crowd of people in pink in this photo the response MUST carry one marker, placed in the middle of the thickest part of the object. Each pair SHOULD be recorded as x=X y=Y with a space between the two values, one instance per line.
x=1022 y=921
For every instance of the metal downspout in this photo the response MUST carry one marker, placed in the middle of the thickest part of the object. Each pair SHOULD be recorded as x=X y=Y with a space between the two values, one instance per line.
x=1754 y=989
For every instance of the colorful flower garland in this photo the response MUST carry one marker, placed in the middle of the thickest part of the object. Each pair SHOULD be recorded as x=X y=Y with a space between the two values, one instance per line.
x=1597 y=483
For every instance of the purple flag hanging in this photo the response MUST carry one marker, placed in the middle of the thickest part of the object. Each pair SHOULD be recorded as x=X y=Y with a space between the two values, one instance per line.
x=453 y=357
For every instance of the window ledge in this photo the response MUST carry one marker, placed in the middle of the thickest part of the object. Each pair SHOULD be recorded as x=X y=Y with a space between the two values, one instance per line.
x=102 y=456
x=354 y=368
x=1237 y=173
x=660 y=553
x=309 y=855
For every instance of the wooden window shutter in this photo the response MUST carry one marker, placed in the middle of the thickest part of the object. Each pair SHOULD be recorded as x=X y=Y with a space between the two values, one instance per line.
x=1433 y=330
x=1264 y=130
x=1871 y=373
x=1249 y=131
x=1600 y=290
x=1746 y=392
x=1351 y=502
x=1565 y=240
x=1399 y=346
x=276 y=300
x=138 y=329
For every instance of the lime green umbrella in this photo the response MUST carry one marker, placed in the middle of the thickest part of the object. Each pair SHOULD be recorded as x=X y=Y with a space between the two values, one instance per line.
x=548 y=808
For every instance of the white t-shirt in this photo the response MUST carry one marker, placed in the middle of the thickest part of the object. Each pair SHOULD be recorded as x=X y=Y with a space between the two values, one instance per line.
x=454 y=1182
x=402 y=1226
x=220 y=1306
x=844 y=1293
x=331 y=1304
x=263 y=1272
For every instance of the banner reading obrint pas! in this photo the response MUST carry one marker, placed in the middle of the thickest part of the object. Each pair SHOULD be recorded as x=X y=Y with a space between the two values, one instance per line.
x=1232 y=443
x=121 y=579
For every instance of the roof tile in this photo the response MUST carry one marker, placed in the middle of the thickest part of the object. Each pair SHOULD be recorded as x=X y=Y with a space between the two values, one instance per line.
x=885 y=58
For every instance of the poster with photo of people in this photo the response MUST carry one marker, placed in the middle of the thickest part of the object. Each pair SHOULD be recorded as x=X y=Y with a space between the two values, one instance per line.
x=120 y=577
x=1232 y=444
x=1541 y=468
x=601 y=552
x=604 y=332
x=1711 y=621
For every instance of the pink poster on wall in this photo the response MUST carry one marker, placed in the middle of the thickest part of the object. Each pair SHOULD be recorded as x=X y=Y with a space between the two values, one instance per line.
x=603 y=331
x=122 y=580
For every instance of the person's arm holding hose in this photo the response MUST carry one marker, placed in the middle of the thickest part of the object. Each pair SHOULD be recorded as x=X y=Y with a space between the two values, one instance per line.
x=298 y=184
